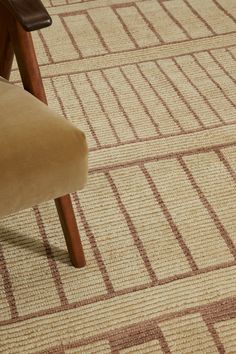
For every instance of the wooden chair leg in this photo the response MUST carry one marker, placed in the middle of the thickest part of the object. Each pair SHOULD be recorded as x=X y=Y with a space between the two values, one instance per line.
x=6 y=50
x=28 y=66
x=71 y=233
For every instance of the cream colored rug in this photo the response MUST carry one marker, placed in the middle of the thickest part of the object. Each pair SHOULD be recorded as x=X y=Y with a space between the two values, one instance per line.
x=152 y=84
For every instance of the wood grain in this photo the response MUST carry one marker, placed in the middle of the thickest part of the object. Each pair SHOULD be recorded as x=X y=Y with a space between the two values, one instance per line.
x=32 y=15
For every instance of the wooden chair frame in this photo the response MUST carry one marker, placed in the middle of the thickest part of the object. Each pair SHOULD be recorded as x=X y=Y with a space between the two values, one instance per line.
x=17 y=19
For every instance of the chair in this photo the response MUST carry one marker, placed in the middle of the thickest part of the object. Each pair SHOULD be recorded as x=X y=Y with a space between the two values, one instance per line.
x=42 y=155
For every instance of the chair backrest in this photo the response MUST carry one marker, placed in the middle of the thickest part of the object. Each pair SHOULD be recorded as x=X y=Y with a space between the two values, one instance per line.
x=31 y=14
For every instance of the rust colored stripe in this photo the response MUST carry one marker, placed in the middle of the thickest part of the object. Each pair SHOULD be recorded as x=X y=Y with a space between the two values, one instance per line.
x=96 y=30
x=102 y=107
x=150 y=138
x=226 y=311
x=180 y=95
x=125 y=27
x=136 y=335
x=150 y=26
x=58 y=98
x=8 y=289
x=51 y=260
x=108 y=146
x=175 y=20
x=162 y=137
x=135 y=60
x=114 y=351
x=73 y=13
x=230 y=53
x=46 y=48
x=199 y=92
x=200 y=17
x=94 y=246
x=122 y=5
x=214 y=335
x=213 y=80
x=170 y=220
x=120 y=105
x=53 y=350
x=162 y=101
x=191 y=273
x=221 y=66
x=137 y=241
x=141 y=102
x=164 y=345
x=208 y=207
x=108 y=296
x=226 y=164
x=213 y=307
x=85 y=113
x=75 y=45
x=227 y=13
x=76 y=304
x=160 y=157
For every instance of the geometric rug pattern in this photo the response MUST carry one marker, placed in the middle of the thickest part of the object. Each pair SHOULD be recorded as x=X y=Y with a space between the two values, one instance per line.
x=153 y=86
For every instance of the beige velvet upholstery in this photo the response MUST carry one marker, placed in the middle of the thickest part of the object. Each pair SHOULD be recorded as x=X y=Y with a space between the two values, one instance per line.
x=42 y=155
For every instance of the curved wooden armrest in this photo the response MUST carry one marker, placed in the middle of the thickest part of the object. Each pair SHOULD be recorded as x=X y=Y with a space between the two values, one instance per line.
x=31 y=14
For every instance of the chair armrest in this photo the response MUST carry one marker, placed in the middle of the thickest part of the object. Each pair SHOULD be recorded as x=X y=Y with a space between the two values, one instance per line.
x=31 y=14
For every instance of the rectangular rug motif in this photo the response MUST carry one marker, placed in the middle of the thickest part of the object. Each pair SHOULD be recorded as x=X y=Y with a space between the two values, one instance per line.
x=152 y=85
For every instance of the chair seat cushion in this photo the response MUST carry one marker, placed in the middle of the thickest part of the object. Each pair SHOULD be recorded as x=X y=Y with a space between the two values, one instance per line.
x=42 y=155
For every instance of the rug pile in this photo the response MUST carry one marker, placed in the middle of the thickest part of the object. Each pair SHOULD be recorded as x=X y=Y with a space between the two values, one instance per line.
x=152 y=84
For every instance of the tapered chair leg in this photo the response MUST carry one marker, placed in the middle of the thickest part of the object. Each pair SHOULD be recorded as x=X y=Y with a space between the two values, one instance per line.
x=71 y=233
x=6 y=50
x=28 y=66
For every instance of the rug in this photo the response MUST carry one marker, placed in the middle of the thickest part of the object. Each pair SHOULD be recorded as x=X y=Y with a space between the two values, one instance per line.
x=152 y=84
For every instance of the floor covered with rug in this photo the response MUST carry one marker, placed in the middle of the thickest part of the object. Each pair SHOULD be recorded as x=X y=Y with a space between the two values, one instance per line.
x=153 y=86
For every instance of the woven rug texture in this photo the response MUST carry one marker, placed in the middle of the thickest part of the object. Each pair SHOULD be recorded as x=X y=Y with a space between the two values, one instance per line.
x=153 y=85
